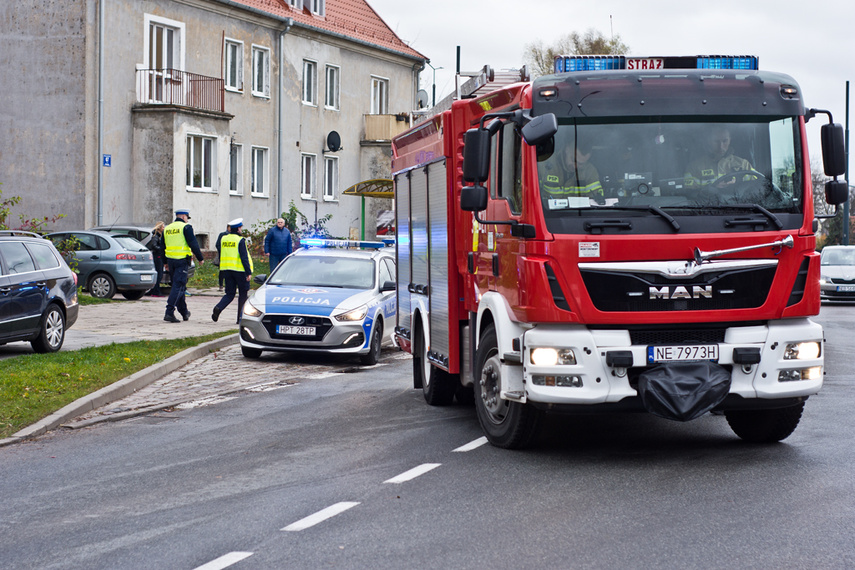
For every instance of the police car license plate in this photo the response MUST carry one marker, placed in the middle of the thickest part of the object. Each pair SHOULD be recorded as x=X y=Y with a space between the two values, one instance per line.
x=682 y=353
x=288 y=329
x=845 y=288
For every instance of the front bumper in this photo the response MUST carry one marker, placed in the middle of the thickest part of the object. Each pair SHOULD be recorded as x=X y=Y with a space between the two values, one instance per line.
x=592 y=381
x=330 y=335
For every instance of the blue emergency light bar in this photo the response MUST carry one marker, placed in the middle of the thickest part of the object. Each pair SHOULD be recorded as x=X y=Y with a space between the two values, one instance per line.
x=344 y=243
x=570 y=63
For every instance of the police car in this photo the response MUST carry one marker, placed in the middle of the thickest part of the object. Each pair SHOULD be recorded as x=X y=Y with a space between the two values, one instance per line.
x=324 y=297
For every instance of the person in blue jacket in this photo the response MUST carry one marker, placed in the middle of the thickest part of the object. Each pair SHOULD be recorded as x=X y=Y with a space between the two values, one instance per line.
x=277 y=243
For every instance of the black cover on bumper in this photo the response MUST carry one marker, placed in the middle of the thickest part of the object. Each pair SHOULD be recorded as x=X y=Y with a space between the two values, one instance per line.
x=683 y=391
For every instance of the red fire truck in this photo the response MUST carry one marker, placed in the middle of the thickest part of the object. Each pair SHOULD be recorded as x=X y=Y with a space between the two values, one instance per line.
x=625 y=234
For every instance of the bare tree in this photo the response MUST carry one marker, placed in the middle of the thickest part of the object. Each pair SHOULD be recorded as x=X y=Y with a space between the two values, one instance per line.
x=831 y=229
x=540 y=58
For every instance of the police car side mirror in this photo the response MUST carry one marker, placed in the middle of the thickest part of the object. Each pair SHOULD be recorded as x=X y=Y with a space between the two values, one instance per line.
x=388 y=286
x=260 y=278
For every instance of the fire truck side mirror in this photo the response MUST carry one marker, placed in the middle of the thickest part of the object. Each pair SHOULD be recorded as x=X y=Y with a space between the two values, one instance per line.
x=836 y=191
x=540 y=129
x=473 y=198
x=476 y=155
x=833 y=149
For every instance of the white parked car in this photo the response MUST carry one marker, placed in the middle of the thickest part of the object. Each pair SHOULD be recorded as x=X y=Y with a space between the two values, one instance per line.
x=837 y=269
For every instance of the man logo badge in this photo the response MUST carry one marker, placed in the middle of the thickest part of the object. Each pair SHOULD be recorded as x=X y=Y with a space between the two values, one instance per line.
x=681 y=292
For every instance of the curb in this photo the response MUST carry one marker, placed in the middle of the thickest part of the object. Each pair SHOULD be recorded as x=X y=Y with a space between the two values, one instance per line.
x=118 y=390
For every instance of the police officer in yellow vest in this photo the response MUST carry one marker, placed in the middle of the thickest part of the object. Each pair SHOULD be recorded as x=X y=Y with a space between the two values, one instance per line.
x=236 y=265
x=181 y=245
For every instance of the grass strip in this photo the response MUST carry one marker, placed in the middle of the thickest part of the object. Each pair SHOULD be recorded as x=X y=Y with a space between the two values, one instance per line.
x=33 y=386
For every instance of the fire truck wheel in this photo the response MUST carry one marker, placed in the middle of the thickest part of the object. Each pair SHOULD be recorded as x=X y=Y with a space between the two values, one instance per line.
x=507 y=424
x=437 y=385
x=764 y=426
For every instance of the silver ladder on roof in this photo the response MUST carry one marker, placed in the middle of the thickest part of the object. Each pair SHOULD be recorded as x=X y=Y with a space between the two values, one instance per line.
x=469 y=85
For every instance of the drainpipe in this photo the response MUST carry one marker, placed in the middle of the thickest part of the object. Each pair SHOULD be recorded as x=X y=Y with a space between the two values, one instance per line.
x=100 y=206
x=281 y=119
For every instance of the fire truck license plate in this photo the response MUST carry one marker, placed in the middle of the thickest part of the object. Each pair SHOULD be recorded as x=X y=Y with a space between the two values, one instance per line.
x=303 y=331
x=682 y=353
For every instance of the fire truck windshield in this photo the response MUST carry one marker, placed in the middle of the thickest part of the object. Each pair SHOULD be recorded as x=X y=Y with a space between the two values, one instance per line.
x=687 y=168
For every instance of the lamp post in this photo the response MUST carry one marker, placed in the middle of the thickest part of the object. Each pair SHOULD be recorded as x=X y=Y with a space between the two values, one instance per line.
x=433 y=90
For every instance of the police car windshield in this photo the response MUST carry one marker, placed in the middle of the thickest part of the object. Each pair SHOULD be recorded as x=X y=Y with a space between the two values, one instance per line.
x=671 y=163
x=325 y=271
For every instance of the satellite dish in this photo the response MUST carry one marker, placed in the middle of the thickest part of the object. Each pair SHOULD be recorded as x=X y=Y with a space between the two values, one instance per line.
x=333 y=141
x=423 y=99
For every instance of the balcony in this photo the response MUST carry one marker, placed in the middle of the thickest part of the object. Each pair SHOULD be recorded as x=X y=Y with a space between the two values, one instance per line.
x=176 y=87
x=385 y=127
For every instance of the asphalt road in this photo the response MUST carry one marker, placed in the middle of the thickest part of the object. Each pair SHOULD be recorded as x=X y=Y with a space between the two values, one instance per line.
x=317 y=471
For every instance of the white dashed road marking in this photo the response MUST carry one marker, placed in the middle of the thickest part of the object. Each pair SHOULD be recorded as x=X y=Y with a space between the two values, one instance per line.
x=225 y=561
x=413 y=473
x=320 y=516
x=471 y=445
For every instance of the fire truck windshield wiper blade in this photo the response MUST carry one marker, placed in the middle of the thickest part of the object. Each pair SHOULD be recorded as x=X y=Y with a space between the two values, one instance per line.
x=753 y=207
x=655 y=209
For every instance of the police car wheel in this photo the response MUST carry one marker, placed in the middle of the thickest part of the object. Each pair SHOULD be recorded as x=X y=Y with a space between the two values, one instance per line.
x=374 y=346
x=250 y=352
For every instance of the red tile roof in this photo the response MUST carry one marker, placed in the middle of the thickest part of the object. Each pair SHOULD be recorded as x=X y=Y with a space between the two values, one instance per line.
x=353 y=19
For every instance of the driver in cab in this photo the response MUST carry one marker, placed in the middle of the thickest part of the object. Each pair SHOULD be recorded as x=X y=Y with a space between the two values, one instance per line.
x=717 y=161
x=571 y=175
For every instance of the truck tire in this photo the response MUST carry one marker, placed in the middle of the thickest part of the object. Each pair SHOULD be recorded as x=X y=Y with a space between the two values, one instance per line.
x=437 y=385
x=507 y=424
x=765 y=426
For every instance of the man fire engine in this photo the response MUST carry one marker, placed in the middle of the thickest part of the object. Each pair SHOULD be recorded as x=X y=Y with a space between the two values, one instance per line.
x=623 y=281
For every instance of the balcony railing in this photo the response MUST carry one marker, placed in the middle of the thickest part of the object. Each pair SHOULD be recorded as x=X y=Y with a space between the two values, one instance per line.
x=385 y=127
x=176 y=87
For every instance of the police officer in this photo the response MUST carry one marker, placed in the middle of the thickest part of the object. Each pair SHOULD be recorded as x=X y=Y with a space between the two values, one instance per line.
x=236 y=265
x=181 y=245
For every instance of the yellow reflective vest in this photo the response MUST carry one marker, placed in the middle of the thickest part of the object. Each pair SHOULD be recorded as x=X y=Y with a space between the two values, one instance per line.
x=176 y=244
x=230 y=254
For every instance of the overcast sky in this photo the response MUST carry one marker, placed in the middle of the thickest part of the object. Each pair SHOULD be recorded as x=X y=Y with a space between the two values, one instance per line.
x=812 y=40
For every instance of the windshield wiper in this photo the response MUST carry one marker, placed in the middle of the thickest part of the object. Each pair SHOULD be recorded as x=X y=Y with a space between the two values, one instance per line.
x=655 y=209
x=742 y=221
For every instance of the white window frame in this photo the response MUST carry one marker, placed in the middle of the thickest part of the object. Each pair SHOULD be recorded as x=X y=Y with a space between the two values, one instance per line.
x=317 y=7
x=236 y=169
x=296 y=4
x=310 y=82
x=233 y=60
x=308 y=176
x=260 y=175
x=330 y=178
x=379 y=95
x=332 y=87
x=198 y=146
x=178 y=40
x=261 y=67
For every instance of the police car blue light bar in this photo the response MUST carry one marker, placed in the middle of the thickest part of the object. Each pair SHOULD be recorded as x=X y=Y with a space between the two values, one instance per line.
x=344 y=243
x=571 y=63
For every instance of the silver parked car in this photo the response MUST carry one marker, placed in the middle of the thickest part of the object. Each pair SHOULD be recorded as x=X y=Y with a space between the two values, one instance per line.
x=142 y=233
x=837 y=269
x=107 y=263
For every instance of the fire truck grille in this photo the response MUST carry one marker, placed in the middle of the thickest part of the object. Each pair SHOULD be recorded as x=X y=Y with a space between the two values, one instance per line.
x=677 y=336
x=721 y=290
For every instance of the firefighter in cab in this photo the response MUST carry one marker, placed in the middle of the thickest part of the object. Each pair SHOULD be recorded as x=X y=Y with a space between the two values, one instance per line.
x=569 y=174
x=236 y=265
x=717 y=161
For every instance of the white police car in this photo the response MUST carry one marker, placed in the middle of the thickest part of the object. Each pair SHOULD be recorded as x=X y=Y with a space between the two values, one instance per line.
x=324 y=298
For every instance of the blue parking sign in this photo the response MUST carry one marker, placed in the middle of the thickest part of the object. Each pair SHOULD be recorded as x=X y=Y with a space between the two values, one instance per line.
x=107 y=159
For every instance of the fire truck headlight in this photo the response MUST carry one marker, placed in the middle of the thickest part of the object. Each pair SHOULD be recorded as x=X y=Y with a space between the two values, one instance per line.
x=802 y=351
x=551 y=356
x=812 y=373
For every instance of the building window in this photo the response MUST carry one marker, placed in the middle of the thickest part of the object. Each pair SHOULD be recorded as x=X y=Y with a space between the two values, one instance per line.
x=307 y=188
x=164 y=52
x=233 y=73
x=317 y=7
x=259 y=171
x=260 y=71
x=332 y=87
x=201 y=164
x=235 y=169
x=296 y=4
x=379 y=96
x=310 y=82
x=330 y=177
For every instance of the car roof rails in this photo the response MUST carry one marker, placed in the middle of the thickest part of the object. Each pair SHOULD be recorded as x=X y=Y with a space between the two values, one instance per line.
x=23 y=233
